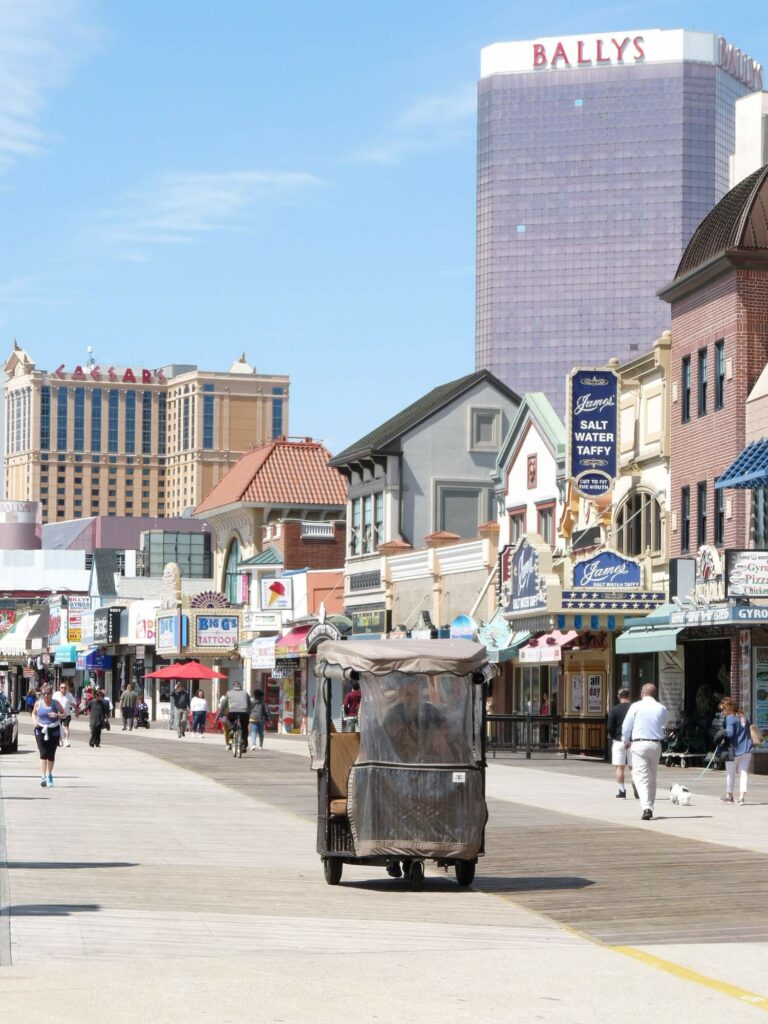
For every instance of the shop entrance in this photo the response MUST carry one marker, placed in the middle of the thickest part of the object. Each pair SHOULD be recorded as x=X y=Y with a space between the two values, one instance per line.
x=707 y=681
x=633 y=671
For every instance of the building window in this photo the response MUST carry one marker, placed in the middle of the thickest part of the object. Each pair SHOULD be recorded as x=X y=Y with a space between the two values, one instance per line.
x=130 y=421
x=79 y=442
x=638 y=525
x=702 y=382
x=378 y=519
x=685 y=518
x=701 y=505
x=685 y=384
x=185 y=424
x=485 y=430
x=96 y=422
x=367 y=524
x=162 y=419
x=719 y=374
x=61 y=420
x=545 y=522
x=516 y=524
x=719 y=518
x=231 y=576
x=355 y=544
x=461 y=510
x=208 y=400
x=113 y=399
x=277 y=413
x=45 y=417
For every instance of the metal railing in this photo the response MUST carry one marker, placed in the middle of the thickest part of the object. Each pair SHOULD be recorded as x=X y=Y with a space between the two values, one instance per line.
x=524 y=734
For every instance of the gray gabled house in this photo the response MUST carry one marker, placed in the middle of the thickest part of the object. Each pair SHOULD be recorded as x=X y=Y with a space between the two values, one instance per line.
x=424 y=472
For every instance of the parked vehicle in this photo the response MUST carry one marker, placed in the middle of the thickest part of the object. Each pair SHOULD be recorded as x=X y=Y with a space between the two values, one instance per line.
x=9 y=728
x=409 y=785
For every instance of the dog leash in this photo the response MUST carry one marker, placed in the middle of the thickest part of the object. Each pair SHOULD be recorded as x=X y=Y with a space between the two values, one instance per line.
x=709 y=764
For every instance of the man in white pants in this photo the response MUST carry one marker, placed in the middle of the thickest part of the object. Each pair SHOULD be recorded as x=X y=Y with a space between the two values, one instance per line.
x=643 y=729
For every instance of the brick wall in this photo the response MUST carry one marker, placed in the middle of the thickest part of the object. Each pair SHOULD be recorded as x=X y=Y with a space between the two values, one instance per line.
x=733 y=307
x=311 y=552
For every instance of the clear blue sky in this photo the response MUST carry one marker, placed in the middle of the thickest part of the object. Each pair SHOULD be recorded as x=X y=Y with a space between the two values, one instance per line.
x=184 y=181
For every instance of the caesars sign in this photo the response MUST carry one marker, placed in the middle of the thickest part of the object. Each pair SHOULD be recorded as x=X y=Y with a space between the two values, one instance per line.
x=593 y=430
x=125 y=375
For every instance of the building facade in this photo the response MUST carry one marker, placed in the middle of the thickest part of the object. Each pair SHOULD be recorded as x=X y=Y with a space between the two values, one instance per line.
x=597 y=158
x=125 y=441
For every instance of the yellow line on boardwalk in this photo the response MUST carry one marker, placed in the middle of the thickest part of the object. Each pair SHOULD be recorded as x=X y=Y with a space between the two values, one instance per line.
x=742 y=994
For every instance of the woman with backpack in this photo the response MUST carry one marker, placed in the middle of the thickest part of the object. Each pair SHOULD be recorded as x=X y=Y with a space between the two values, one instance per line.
x=258 y=717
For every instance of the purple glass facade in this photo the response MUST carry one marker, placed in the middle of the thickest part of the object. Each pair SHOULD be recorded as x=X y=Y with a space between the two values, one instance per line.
x=590 y=184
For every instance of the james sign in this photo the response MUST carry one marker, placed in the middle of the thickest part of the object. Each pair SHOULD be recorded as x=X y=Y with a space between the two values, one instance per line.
x=593 y=441
x=521 y=579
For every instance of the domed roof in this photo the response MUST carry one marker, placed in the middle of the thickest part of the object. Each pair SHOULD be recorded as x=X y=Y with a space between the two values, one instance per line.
x=739 y=221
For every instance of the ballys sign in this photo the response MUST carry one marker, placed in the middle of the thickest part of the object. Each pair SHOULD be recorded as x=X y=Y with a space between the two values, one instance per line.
x=125 y=375
x=593 y=52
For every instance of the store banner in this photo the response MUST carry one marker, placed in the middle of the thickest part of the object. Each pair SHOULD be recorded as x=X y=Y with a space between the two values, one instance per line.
x=521 y=579
x=593 y=430
x=216 y=632
x=760 y=691
x=746 y=573
x=77 y=607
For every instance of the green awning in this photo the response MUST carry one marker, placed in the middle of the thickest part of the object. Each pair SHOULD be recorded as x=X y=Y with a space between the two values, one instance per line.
x=642 y=640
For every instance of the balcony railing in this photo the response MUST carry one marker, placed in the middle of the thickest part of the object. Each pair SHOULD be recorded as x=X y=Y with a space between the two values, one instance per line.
x=317 y=531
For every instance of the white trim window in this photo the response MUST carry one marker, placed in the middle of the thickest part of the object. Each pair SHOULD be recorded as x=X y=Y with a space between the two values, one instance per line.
x=366 y=524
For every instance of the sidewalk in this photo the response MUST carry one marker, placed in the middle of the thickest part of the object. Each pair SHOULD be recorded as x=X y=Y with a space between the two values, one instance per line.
x=142 y=890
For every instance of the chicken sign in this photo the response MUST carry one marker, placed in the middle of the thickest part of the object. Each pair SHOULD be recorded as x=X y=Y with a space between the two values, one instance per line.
x=593 y=430
x=277 y=594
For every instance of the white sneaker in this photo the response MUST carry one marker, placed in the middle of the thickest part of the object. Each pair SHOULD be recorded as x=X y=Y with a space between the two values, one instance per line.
x=67 y=744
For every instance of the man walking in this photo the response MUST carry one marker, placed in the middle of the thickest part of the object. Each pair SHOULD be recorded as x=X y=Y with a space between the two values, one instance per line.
x=620 y=755
x=128 y=707
x=644 y=729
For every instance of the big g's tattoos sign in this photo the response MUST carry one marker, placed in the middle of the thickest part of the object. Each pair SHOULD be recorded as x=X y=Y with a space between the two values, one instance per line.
x=593 y=430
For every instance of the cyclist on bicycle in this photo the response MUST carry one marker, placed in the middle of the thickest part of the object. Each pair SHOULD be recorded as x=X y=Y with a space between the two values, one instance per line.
x=235 y=706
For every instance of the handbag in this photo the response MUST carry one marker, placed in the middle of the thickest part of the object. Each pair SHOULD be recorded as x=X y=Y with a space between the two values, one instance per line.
x=755 y=735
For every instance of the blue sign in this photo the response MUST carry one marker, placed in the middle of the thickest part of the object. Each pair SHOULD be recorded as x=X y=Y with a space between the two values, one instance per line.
x=463 y=627
x=607 y=571
x=593 y=418
x=525 y=580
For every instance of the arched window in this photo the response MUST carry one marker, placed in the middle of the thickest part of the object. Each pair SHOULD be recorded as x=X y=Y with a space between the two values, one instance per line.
x=231 y=586
x=638 y=525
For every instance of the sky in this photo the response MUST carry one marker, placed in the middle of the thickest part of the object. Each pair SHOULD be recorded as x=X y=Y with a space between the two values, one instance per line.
x=187 y=181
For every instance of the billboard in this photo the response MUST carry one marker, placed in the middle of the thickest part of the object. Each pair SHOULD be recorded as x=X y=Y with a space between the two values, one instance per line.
x=593 y=430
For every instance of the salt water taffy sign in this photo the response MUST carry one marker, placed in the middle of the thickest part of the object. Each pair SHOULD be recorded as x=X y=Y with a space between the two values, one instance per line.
x=593 y=430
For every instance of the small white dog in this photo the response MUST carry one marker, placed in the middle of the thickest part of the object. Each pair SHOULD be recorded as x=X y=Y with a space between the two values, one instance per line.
x=680 y=795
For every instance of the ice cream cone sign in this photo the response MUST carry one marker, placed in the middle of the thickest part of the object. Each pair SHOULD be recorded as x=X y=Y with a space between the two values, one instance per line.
x=276 y=590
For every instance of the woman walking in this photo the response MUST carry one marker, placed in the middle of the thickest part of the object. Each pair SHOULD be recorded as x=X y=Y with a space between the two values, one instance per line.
x=46 y=720
x=199 y=708
x=737 y=732
x=98 y=717
x=258 y=717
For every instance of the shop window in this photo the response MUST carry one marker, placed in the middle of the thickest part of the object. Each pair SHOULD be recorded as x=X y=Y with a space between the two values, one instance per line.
x=701 y=507
x=685 y=518
x=545 y=520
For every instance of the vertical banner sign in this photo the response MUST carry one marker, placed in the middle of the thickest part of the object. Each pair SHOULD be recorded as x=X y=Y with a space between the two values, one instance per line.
x=593 y=430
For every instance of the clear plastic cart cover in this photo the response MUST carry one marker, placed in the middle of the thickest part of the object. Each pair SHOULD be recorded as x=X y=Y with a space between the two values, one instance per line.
x=318 y=734
x=381 y=657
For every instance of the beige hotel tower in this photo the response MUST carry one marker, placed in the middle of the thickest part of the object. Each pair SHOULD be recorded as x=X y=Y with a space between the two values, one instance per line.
x=108 y=440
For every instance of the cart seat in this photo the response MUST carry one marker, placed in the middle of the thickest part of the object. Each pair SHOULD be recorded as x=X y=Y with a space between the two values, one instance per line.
x=345 y=747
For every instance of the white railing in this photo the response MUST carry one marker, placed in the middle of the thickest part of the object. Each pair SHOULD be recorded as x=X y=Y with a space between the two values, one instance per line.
x=318 y=530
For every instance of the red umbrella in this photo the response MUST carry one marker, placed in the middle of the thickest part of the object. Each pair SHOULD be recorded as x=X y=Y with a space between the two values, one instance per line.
x=185 y=670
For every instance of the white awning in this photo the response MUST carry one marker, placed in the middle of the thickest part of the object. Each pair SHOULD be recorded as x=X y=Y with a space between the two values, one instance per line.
x=14 y=643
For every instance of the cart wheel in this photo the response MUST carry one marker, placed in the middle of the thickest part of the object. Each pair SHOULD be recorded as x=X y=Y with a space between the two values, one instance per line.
x=669 y=762
x=416 y=875
x=465 y=872
x=333 y=867
x=683 y=762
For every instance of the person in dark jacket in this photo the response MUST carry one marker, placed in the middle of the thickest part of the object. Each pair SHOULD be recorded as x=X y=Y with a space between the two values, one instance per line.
x=98 y=715
x=620 y=754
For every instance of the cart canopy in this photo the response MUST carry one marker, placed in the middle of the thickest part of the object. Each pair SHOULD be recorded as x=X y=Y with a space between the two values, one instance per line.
x=382 y=657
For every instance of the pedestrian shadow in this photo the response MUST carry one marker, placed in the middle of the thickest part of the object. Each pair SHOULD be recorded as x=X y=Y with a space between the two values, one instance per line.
x=682 y=817
x=53 y=909
x=71 y=865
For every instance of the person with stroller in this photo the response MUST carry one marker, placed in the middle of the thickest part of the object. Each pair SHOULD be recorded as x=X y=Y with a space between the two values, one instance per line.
x=737 y=735
x=621 y=755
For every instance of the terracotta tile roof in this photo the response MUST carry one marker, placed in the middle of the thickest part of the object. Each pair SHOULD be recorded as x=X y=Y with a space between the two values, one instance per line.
x=280 y=473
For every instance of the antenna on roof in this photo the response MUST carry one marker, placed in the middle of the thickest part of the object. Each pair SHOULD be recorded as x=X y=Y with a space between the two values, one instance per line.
x=90 y=360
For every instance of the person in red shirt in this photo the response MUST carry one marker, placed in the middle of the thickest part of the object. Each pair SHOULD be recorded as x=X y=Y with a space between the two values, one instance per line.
x=351 y=707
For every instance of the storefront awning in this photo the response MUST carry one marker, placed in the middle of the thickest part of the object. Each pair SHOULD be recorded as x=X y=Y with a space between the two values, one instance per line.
x=14 y=643
x=498 y=656
x=748 y=470
x=292 y=644
x=548 y=648
x=645 y=640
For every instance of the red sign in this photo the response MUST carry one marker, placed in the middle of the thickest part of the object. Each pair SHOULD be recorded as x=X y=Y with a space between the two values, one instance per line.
x=126 y=376
x=590 y=53
x=740 y=65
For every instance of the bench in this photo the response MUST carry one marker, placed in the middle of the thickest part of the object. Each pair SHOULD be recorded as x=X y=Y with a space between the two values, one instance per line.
x=344 y=748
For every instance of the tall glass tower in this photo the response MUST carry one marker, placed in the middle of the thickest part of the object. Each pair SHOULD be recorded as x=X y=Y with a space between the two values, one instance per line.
x=597 y=158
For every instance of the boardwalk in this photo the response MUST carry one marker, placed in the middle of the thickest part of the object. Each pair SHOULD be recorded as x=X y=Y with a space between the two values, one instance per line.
x=169 y=862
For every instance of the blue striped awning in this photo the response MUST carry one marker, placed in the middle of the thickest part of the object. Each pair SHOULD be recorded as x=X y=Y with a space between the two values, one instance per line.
x=748 y=470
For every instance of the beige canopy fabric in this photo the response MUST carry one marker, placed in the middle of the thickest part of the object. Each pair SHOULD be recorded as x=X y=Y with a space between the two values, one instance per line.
x=380 y=657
